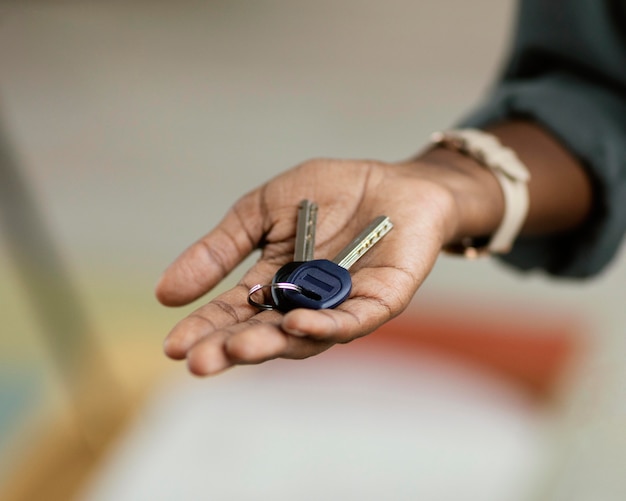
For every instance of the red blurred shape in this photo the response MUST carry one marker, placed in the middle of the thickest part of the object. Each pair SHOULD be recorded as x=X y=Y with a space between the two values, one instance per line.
x=534 y=350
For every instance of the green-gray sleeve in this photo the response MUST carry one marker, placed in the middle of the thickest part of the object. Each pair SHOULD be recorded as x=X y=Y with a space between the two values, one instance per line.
x=567 y=71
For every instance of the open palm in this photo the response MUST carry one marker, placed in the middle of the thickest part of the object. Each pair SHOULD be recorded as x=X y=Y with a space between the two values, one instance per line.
x=228 y=331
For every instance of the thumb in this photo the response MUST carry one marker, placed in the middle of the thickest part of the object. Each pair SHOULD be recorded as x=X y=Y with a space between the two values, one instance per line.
x=205 y=263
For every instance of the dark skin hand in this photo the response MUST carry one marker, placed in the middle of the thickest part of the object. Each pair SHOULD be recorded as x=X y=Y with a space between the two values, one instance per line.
x=437 y=198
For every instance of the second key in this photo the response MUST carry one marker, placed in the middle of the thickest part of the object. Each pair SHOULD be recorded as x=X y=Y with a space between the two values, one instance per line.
x=327 y=284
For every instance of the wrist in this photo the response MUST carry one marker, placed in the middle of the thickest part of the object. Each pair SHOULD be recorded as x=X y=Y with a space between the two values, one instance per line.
x=478 y=202
x=523 y=181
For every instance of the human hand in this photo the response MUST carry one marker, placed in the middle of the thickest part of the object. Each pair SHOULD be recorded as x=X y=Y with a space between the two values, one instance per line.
x=418 y=196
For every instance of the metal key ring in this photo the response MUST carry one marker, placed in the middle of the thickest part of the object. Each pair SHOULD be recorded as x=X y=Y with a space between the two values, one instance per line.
x=278 y=285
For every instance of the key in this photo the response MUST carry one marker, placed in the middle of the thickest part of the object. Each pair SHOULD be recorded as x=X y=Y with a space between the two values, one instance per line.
x=304 y=247
x=327 y=284
x=305 y=231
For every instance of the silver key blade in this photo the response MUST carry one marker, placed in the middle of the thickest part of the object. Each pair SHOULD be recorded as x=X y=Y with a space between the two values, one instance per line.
x=364 y=242
x=305 y=231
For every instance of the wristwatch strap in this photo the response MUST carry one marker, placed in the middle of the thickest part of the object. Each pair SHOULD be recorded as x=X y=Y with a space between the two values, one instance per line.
x=510 y=172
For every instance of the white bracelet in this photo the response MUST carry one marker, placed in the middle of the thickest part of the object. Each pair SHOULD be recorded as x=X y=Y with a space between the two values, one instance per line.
x=512 y=175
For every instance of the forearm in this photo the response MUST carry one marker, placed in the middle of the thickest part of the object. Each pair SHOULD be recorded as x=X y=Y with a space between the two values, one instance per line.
x=560 y=190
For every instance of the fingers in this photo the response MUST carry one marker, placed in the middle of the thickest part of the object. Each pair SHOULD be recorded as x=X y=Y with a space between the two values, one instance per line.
x=210 y=350
x=210 y=259
x=222 y=334
x=372 y=303
x=228 y=309
x=268 y=335
x=229 y=331
x=253 y=342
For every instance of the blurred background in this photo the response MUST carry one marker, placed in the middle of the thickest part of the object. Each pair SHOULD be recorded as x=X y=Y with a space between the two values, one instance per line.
x=129 y=127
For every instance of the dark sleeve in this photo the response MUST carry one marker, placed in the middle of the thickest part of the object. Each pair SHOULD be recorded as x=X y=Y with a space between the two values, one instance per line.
x=567 y=71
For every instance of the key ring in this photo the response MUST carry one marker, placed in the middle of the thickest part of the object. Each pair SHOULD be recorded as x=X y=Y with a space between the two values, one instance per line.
x=278 y=285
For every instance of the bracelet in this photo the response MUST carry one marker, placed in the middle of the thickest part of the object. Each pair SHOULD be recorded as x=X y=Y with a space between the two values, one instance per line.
x=510 y=172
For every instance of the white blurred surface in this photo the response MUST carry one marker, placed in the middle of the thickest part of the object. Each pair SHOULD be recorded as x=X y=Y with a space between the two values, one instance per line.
x=351 y=424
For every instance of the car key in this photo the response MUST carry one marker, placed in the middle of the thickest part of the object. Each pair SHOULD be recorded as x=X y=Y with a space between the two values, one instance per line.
x=304 y=247
x=327 y=284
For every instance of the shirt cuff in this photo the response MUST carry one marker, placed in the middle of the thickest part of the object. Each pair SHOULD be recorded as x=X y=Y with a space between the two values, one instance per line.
x=590 y=121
